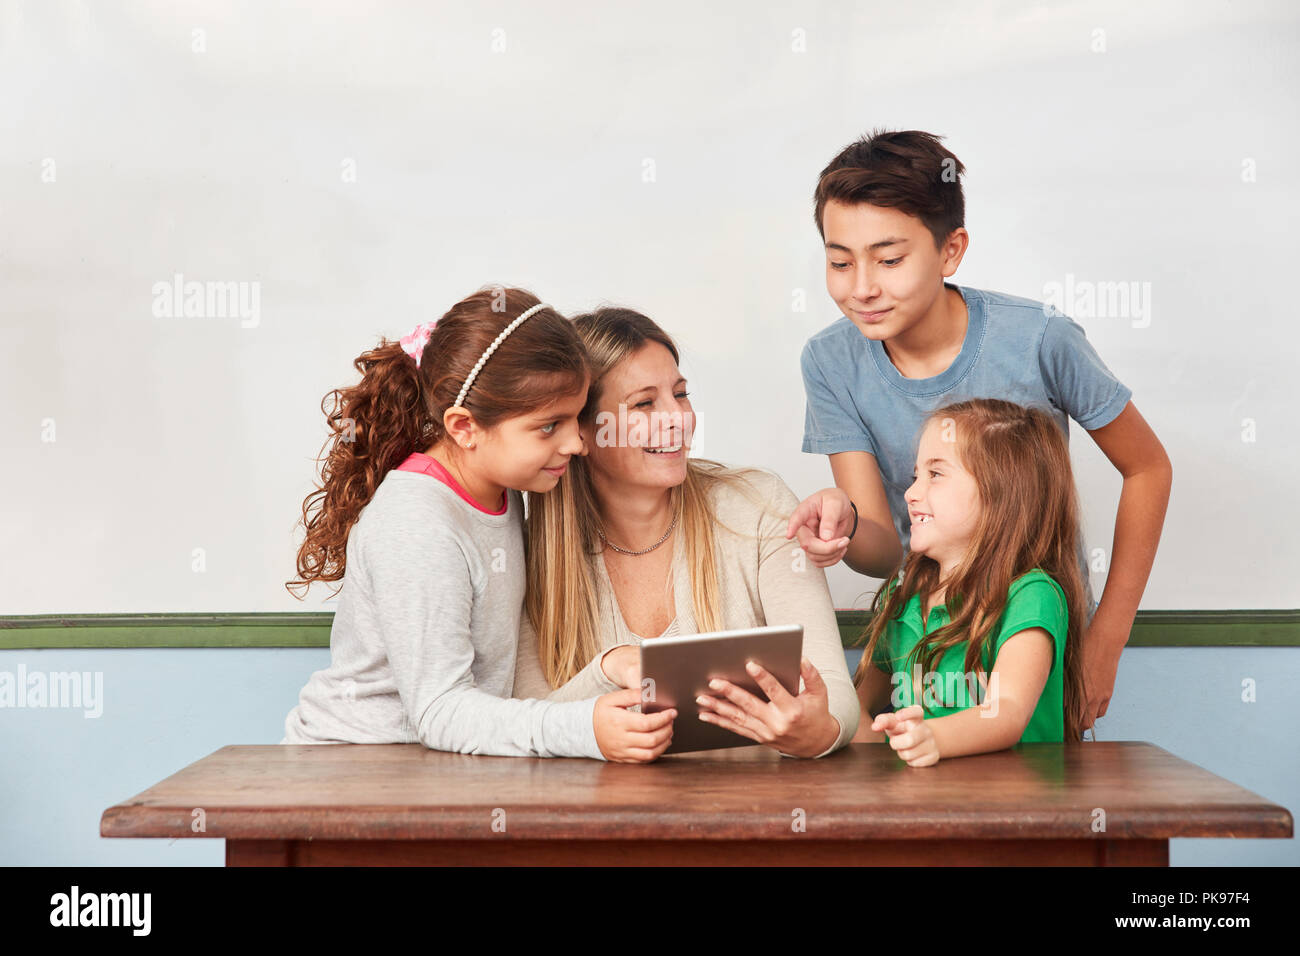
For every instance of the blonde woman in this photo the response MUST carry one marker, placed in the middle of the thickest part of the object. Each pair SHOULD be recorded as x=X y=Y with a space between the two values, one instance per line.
x=639 y=541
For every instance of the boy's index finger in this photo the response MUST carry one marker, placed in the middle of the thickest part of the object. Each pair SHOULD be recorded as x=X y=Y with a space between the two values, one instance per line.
x=830 y=520
x=803 y=515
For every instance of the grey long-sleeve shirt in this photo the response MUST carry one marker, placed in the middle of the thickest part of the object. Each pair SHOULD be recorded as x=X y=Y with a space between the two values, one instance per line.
x=424 y=640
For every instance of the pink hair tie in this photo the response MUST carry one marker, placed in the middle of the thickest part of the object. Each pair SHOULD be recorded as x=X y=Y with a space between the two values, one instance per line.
x=413 y=344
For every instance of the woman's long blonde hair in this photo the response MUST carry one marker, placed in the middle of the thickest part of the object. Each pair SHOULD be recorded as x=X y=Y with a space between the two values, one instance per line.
x=562 y=540
x=1029 y=519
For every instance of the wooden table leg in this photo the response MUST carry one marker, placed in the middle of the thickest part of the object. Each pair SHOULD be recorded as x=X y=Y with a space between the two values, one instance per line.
x=260 y=853
x=1134 y=853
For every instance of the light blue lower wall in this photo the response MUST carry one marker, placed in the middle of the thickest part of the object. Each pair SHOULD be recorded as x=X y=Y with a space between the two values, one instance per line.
x=164 y=709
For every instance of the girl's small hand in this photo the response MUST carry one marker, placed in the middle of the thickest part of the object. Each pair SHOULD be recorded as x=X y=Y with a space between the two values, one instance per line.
x=625 y=737
x=909 y=735
x=822 y=522
x=800 y=726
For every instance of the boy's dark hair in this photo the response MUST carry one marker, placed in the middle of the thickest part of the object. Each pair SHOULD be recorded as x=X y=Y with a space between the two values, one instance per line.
x=909 y=171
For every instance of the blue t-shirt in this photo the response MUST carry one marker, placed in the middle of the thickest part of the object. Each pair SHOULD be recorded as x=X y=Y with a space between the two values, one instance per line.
x=1015 y=349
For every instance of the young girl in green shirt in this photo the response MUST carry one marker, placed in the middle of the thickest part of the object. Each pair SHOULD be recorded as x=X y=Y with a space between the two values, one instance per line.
x=977 y=646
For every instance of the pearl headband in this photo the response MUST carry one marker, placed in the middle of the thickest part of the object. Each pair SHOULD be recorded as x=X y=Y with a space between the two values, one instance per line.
x=414 y=344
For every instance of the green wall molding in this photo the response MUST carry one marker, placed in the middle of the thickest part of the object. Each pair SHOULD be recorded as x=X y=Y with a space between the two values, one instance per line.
x=1218 y=628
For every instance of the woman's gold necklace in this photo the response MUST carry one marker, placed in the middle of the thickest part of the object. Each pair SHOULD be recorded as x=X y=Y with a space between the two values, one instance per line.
x=645 y=551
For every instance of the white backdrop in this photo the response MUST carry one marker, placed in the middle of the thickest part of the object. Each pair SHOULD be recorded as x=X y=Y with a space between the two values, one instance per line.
x=363 y=167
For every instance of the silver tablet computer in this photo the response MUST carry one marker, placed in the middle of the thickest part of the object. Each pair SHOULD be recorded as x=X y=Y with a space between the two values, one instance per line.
x=678 y=669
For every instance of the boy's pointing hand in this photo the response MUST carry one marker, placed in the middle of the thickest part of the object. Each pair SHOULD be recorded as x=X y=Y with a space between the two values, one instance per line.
x=822 y=523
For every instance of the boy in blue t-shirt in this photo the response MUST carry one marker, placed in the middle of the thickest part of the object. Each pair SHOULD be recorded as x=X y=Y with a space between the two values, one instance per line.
x=891 y=213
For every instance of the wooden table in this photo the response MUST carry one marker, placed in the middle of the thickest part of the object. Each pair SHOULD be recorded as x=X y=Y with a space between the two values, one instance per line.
x=403 y=804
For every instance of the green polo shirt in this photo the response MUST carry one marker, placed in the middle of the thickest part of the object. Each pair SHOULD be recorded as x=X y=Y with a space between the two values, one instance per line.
x=1034 y=600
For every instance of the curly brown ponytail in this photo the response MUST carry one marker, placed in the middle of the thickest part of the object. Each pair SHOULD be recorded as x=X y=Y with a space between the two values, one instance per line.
x=397 y=408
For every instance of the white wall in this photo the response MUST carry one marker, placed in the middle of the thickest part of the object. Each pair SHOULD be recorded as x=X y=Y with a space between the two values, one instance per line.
x=525 y=167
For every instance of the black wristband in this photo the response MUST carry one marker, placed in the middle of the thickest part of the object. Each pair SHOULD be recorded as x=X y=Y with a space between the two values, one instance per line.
x=855 y=520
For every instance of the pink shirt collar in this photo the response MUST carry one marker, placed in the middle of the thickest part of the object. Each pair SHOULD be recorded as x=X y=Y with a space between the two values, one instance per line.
x=424 y=464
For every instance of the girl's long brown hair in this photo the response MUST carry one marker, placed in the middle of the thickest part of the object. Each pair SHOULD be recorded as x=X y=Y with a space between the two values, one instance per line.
x=561 y=600
x=1029 y=519
x=397 y=408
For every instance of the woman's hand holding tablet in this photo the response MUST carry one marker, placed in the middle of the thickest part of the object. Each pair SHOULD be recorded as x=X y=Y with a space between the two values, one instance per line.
x=798 y=725
x=676 y=672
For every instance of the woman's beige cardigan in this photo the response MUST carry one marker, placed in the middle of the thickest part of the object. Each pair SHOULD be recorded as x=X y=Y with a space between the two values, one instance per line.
x=763 y=577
